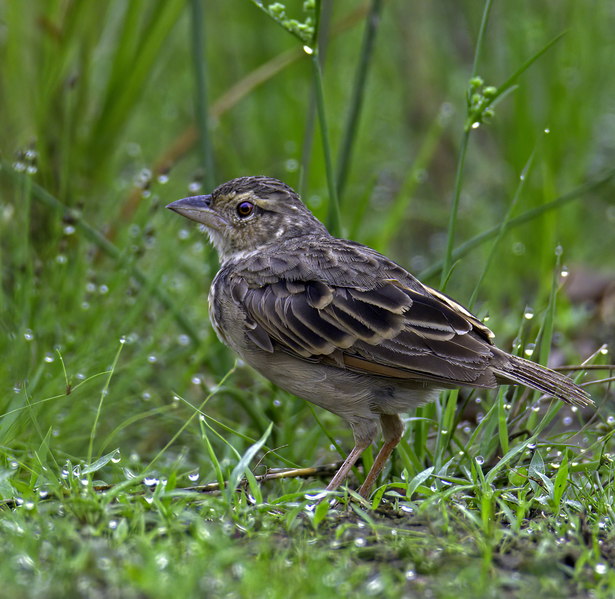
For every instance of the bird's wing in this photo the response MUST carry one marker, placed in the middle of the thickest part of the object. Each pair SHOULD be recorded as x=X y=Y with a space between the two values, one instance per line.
x=389 y=329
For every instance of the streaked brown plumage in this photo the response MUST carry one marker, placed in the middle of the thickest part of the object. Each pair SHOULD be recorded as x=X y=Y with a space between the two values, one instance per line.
x=337 y=323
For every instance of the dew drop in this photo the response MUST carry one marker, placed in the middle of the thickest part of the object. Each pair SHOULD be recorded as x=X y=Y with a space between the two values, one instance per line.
x=518 y=248
x=28 y=334
x=183 y=340
x=291 y=165
x=152 y=359
x=69 y=230
x=198 y=247
x=529 y=313
x=162 y=179
x=194 y=476
x=480 y=460
x=116 y=457
x=49 y=357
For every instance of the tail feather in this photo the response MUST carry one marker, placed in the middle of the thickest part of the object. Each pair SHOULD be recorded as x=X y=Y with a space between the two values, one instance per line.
x=511 y=369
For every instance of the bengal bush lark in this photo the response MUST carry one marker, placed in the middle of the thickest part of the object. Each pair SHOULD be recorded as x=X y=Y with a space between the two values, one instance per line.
x=340 y=325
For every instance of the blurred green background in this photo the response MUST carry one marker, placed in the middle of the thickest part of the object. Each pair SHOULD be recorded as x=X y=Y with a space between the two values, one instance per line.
x=97 y=109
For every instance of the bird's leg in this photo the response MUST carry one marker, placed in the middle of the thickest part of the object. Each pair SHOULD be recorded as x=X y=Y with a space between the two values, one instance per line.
x=364 y=433
x=392 y=430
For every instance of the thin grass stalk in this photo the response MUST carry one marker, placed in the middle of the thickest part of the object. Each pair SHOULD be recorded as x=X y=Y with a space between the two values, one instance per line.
x=100 y=403
x=452 y=223
x=200 y=78
x=356 y=98
x=322 y=38
x=513 y=204
x=333 y=213
x=448 y=256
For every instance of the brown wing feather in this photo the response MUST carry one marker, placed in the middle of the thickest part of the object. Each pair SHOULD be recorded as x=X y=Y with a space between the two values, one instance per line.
x=387 y=331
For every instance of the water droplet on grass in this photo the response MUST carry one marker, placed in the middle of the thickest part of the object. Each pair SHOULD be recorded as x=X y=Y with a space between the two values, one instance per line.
x=28 y=334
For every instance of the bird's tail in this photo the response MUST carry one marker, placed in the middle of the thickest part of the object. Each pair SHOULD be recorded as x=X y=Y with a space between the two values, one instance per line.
x=512 y=369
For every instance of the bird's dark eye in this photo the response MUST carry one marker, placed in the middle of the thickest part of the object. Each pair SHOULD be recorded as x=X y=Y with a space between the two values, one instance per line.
x=245 y=209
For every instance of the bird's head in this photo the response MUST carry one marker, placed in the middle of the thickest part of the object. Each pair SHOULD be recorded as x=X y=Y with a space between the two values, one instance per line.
x=249 y=213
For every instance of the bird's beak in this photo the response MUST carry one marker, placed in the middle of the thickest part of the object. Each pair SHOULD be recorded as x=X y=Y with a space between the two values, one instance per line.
x=198 y=208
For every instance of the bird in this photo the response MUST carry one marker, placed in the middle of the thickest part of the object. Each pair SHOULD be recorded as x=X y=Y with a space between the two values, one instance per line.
x=340 y=325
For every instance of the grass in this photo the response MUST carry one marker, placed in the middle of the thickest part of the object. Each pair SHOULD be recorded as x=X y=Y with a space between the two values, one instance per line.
x=119 y=408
